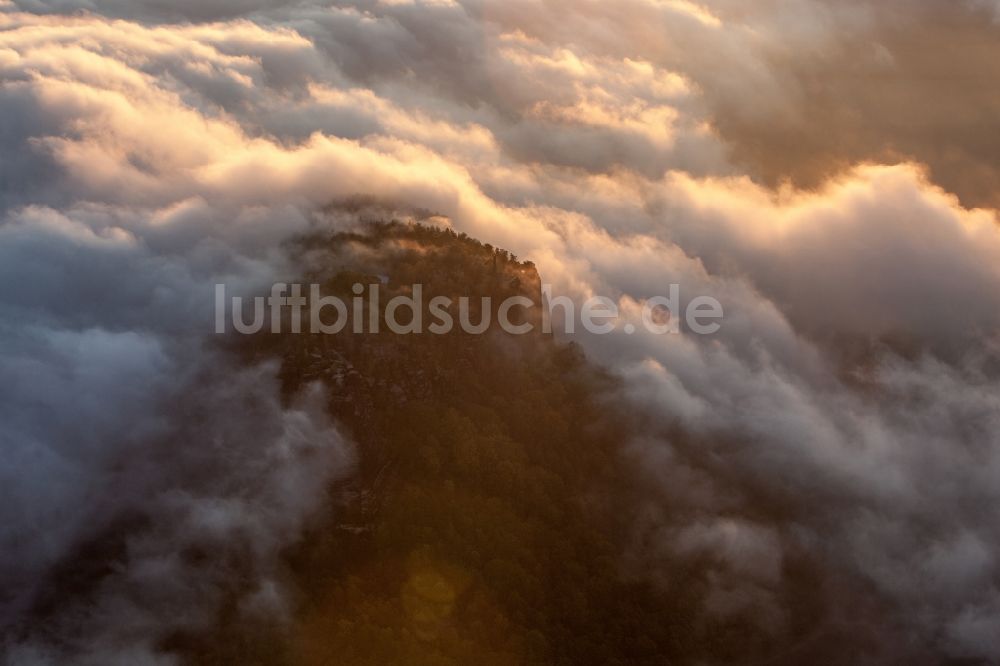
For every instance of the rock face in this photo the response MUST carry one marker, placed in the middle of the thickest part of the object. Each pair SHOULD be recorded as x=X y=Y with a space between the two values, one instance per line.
x=371 y=376
x=371 y=370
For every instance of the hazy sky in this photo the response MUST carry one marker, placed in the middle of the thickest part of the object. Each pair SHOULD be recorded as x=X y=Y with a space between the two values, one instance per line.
x=827 y=169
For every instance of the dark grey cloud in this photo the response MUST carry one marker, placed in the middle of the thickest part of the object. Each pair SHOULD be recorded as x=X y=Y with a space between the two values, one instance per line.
x=909 y=81
x=132 y=441
x=152 y=10
x=125 y=429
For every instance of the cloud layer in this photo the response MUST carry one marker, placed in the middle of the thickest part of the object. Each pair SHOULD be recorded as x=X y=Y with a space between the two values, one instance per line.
x=848 y=409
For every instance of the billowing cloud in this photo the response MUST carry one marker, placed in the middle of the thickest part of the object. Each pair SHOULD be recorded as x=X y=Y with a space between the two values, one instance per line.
x=129 y=438
x=846 y=413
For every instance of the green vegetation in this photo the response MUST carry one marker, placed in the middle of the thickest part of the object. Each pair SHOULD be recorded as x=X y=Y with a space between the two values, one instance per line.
x=482 y=527
x=490 y=513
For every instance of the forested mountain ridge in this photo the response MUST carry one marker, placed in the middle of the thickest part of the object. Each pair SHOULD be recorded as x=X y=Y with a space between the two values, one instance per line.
x=492 y=505
x=478 y=527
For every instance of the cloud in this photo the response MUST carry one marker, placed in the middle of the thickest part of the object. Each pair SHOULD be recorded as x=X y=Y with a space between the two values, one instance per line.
x=122 y=429
x=845 y=415
x=129 y=447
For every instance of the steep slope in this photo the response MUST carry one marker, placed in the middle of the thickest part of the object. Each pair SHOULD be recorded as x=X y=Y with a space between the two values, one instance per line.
x=489 y=518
